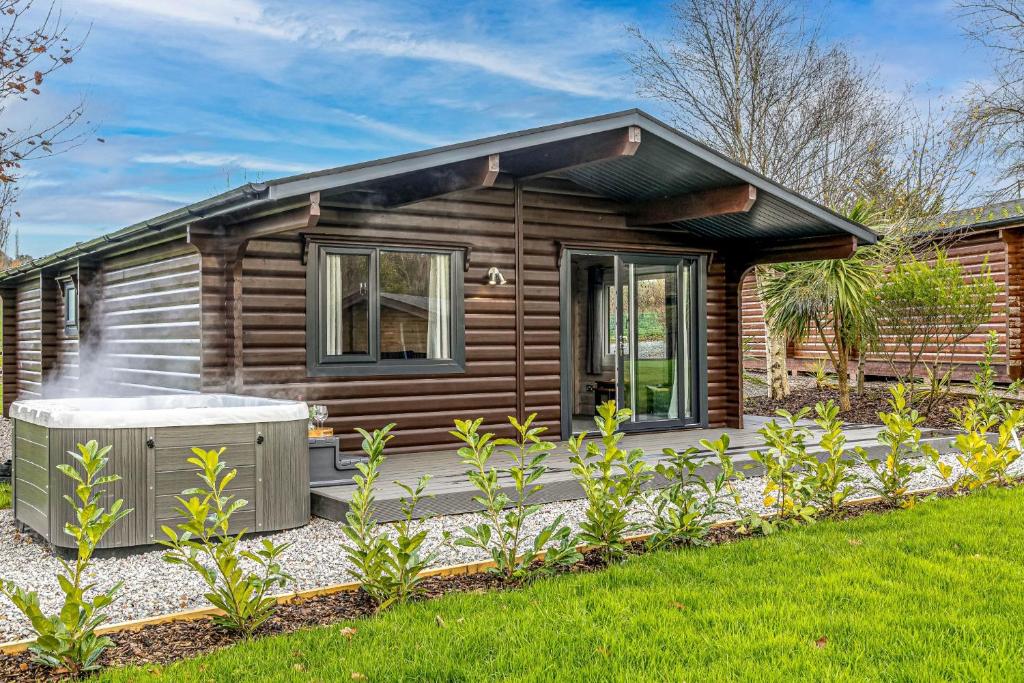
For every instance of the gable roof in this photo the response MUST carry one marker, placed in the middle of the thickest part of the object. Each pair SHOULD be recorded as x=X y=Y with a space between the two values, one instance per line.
x=667 y=163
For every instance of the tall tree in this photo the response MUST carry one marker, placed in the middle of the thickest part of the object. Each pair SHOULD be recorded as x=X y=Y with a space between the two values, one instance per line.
x=755 y=80
x=34 y=44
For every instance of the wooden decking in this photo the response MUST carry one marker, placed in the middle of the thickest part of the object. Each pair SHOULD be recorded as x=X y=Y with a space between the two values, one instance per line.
x=451 y=493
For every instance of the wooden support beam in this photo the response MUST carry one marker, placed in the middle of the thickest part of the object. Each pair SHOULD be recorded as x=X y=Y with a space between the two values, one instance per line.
x=416 y=186
x=811 y=249
x=687 y=207
x=559 y=156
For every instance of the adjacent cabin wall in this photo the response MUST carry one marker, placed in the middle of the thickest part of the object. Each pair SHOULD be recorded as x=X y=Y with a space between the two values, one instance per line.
x=423 y=406
x=975 y=253
x=28 y=334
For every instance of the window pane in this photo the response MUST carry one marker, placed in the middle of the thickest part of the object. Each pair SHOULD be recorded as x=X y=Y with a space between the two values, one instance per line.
x=415 y=305
x=71 y=304
x=346 y=304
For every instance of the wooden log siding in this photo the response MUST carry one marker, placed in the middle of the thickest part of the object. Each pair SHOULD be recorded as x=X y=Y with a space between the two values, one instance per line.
x=28 y=330
x=274 y=321
x=973 y=252
x=148 y=326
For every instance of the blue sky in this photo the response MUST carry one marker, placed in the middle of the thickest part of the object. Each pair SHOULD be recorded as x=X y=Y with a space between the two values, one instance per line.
x=195 y=96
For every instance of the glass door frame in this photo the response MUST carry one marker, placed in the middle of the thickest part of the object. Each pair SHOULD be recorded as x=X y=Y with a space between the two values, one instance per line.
x=698 y=361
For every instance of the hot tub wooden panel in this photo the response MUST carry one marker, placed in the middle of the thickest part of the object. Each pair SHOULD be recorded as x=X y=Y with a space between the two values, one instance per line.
x=271 y=459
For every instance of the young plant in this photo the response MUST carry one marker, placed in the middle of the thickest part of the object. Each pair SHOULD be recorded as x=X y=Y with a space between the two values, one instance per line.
x=830 y=479
x=683 y=511
x=388 y=568
x=987 y=404
x=787 y=491
x=612 y=480
x=821 y=375
x=204 y=544
x=68 y=639
x=501 y=535
x=986 y=463
x=892 y=476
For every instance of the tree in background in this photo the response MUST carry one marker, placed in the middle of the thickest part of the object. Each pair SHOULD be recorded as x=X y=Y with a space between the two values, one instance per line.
x=922 y=312
x=754 y=80
x=830 y=299
x=33 y=45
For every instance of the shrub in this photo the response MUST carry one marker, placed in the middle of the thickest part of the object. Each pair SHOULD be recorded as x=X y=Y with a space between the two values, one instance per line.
x=204 y=544
x=986 y=463
x=501 y=535
x=787 y=492
x=683 y=511
x=5 y=496
x=987 y=402
x=830 y=479
x=388 y=568
x=821 y=375
x=68 y=639
x=892 y=476
x=612 y=481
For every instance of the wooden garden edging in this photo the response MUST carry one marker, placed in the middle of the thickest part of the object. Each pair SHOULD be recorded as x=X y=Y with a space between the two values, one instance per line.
x=464 y=569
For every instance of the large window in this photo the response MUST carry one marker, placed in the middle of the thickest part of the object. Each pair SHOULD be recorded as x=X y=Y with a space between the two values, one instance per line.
x=381 y=310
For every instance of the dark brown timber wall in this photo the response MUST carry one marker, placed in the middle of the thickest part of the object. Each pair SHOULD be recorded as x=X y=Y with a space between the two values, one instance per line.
x=975 y=253
x=494 y=385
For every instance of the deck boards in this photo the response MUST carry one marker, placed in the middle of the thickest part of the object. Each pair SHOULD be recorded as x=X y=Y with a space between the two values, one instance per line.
x=451 y=493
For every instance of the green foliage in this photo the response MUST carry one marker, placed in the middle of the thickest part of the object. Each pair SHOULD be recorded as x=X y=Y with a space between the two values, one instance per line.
x=923 y=311
x=5 y=496
x=787 y=492
x=683 y=511
x=987 y=401
x=612 y=481
x=501 y=534
x=387 y=565
x=892 y=475
x=821 y=375
x=68 y=639
x=204 y=544
x=830 y=479
x=986 y=463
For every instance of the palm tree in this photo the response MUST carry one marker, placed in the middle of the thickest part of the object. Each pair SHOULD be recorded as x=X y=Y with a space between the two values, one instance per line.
x=829 y=299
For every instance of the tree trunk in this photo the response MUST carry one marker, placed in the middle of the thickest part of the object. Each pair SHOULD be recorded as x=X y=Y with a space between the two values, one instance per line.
x=860 y=373
x=774 y=351
x=843 y=377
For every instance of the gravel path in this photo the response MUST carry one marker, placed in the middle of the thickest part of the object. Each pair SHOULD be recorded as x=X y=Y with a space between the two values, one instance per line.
x=153 y=587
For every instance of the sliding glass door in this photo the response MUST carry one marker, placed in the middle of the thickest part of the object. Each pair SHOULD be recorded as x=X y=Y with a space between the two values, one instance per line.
x=653 y=313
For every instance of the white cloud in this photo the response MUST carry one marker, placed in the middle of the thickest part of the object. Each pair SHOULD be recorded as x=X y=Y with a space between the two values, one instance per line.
x=390 y=129
x=215 y=160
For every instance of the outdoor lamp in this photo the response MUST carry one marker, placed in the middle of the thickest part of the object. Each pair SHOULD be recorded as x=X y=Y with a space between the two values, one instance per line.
x=494 y=277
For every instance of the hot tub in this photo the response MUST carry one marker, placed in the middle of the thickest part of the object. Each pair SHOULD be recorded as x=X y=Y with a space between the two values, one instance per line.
x=152 y=437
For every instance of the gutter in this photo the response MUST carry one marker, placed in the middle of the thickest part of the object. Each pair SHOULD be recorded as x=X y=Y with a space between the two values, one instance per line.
x=244 y=197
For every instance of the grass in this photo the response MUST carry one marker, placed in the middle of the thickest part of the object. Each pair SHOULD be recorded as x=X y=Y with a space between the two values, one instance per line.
x=5 y=496
x=933 y=593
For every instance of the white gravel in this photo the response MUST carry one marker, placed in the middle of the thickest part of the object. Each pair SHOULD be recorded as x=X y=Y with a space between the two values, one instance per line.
x=153 y=587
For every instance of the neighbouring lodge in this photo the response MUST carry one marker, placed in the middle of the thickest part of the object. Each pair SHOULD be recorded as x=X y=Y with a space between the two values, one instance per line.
x=983 y=239
x=539 y=271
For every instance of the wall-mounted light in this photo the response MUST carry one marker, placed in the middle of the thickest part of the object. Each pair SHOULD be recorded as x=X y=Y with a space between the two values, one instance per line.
x=494 y=277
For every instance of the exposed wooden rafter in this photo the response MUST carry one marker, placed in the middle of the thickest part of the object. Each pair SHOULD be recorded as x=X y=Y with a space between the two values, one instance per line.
x=540 y=160
x=811 y=249
x=395 y=191
x=687 y=207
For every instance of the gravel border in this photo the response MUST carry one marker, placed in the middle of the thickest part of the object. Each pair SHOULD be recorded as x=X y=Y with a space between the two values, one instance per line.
x=153 y=587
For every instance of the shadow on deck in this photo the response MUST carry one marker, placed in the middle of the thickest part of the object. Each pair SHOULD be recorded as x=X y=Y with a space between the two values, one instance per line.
x=451 y=493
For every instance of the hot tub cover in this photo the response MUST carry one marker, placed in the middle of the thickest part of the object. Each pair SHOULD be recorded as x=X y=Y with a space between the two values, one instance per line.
x=181 y=410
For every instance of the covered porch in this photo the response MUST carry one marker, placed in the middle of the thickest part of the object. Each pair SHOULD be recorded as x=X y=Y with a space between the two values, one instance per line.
x=451 y=493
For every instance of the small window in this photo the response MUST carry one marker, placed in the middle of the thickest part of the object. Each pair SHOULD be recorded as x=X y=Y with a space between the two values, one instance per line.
x=70 y=307
x=384 y=310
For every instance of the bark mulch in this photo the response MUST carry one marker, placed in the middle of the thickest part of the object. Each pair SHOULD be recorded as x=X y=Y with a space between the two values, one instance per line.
x=864 y=407
x=154 y=646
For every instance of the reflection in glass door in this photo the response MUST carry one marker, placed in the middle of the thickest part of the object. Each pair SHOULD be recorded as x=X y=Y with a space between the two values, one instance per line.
x=653 y=321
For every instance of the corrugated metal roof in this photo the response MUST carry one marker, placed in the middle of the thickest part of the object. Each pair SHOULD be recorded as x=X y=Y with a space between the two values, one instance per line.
x=667 y=163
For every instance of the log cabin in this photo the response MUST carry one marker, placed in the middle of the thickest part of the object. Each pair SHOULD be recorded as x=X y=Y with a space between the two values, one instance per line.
x=984 y=239
x=541 y=271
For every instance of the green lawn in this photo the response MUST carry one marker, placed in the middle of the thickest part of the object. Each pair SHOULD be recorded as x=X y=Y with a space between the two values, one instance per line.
x=935 y=593
x=5 y=496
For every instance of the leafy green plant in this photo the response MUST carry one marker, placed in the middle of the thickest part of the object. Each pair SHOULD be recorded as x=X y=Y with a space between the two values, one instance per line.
x=831 y=479
x=5 y=496
x=901 y=436
x=501 y=534
x=987 y=402
x=387 y=565
x=787 y=492
x=68 y=639
x=821 y=375
x=986 y=463
x=683 y=511
x=204 y=544
x=612 y=480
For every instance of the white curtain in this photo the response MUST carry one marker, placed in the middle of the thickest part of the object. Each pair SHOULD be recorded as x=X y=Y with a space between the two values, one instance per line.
x=333 y=304
x=439 y=311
